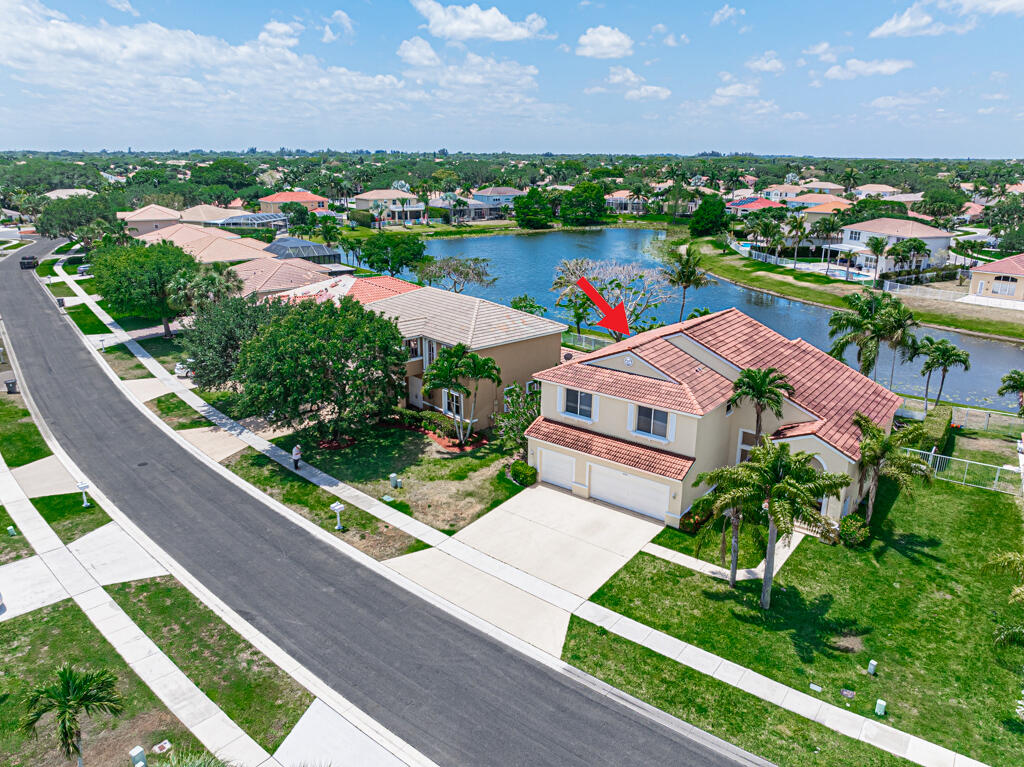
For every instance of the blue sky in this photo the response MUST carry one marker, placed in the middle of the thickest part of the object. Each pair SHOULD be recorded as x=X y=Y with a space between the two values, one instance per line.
x=886 y=78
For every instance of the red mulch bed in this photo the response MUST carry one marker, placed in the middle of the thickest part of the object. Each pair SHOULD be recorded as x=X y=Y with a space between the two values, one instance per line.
x=333 y=444
x=447 y=444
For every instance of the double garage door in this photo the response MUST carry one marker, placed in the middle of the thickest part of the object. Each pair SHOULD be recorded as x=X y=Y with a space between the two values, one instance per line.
x=612 y=486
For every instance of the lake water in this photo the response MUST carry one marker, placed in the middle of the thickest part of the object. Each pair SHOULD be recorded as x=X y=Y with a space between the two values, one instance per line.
x=526 y=264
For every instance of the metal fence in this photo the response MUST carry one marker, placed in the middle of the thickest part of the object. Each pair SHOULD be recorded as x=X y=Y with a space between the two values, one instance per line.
x=960 y=471
x=920 y=291
x=585 y=342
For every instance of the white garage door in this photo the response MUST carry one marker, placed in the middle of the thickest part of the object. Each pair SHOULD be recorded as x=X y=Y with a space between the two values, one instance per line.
x=629 y=491
x=557 y=468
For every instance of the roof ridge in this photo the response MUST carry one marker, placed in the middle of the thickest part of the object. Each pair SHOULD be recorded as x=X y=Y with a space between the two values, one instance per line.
x=472 y=322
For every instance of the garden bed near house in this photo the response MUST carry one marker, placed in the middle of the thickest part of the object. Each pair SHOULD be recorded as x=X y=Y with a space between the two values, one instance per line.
x=919 y=599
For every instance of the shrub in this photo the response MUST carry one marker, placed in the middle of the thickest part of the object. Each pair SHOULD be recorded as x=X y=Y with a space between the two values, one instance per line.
x=522 y=473
x=692 y=523
x=442 y=213
x=439 y=423
x=361 y=218
x=938 y=425
x=412 y=419
x=852 y=531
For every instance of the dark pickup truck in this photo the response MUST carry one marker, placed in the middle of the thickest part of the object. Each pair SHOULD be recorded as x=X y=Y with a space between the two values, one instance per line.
x=29 y=262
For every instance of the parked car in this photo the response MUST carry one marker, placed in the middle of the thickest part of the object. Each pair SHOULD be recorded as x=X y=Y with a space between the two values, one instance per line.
x=184 y=369
x=83 y=269
x=29 y=262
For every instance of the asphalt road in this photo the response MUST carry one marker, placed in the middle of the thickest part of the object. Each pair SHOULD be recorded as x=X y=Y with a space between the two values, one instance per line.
x=455 y=694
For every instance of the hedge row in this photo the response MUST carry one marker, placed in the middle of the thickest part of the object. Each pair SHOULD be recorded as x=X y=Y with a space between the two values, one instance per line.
x=938 y=425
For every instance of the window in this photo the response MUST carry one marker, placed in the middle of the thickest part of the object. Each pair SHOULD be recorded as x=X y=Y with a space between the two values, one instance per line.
x=746 y=443
x=504 y=395
x=579 y=403
x=532 y=386
x=651 y=421
x=1004 y=286
x=729 y=407
x=453 y=403
x=854 y=236
x=413 y=347
x=430 y=351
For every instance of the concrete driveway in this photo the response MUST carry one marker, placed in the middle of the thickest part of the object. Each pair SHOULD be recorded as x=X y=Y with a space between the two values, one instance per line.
x=568 y=541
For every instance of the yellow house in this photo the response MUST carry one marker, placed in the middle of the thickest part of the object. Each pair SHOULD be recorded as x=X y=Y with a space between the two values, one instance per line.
x=1002 y=279
x=635 y=423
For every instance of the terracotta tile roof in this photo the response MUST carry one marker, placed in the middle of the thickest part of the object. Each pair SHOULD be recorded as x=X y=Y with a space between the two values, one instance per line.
x=648 y=459
x=757 y=204
x=368 y=289
x=875 y=188
x=293 y=197
x=385 y=194
x=818 y=199
x=1011 y=265
x=693 y=388
x=149 y=213
x=271 y=275
x=828 y=207
x=897 y=227
x=825 y=386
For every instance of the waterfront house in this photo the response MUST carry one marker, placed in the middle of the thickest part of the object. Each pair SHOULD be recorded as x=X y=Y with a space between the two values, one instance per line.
x=272 y=202
x=937 y=241
x=400 y=206
x=1002 y=279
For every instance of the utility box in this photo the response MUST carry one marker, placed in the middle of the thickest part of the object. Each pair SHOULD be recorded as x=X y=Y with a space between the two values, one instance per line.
x=394 y=479
x=138 y=757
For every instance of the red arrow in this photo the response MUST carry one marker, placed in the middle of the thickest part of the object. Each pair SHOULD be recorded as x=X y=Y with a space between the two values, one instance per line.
x=612 y=319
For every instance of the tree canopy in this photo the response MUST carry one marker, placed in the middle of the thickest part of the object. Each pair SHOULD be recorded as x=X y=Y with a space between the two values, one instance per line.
x=709 y=218
x=532 y=210
x=584 y=204
x=393 y=253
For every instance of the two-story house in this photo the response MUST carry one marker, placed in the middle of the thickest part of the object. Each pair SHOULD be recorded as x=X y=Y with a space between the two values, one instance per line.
x=781 y=192
x=875 y=190
x=401 y=205
x=431 y=319
x=496 y=198
x=148 y=218
x=272 y=202
x=635 y=423
x=896 y=230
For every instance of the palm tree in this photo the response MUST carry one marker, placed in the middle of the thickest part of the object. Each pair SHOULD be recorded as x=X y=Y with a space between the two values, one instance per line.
x=765 y=388
x=639 y=192
x=798 y=231
x=885 y=455
x=825 y=229
x=1013 y=383
x=722 y=502
x=877 y=247
x=684 y=271
x=74 y=693
x=455 y=365
x=922 y=348
x=849 y=178
x=377 y=208
x=943 y=356
x=859 y=327
x=210 y=284
x=894 y=326
x=702 y=311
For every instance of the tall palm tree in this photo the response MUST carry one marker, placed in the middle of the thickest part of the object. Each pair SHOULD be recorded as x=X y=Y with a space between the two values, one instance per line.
x=722 y=502
x=885 y=455
x=849 y=178
x=944 y=356
x=453 y=367
x=73 y=694
x=378 y=208
x=765 y=388
x=922 y=348
x=700 y=311
x=683 y=270
x=1013 y=383
x=859 y=327
x=877 y=246
x=784 y=488
x=798 y=232
x=895 y=326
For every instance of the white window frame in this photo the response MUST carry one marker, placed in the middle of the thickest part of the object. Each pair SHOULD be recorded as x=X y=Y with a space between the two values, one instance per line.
x=504 y=397
x=563 y=398
x=532 y=386
x=651 y=434
x=1004 y=285
x=419 y=347
x=447 y=395
x=854 y=236
x=740 y=446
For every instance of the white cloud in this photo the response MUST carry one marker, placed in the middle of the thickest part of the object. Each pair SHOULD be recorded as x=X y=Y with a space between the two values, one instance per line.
x=767 y=62
x=124 y=6
x=727 y=13
x=916 y=21
x=659 y=29
x=795 y=116
x=764 y=107
x=823 y=50
x=903 y=100
x=595 y=89
x=466 y=22
x=995 y=96
x=343 y=20
x=648 y=92
x=997 y=75
x=852 y=68
x=992 y=7
x=604 y=42
x=417 y=52
x=801 y=62
x=672 y=40
x=280 y=34
x=726 y=94
x=986 y=110
x=623 y=76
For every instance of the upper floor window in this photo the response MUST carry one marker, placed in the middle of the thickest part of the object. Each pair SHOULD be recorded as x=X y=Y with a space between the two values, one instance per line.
x=854 y=236
x=651 y=421
x=452 y=403
x=579 y=403
x=412 y=345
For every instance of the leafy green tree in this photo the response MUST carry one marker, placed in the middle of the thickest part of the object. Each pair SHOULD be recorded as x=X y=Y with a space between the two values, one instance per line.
x=909 y=251
x=583 y=205
x=298 y=214
x=944 y=356
x=521 y=408
x=329 y=231
x=1009 y=243
x=455 y=273
x=941 y=200
x=74 y=693
x=61 y=218
x=136 y=279
x=335 y=369
x=877 y=247
x=683 y=270
x=578 y=308
x=532 y=210
x=1013 y=383
x=526 y=303
x=709 y=218
x=209 y=283
x=454 y=366
x=885 y=455
x=215 y=334
x=225 y=171
x=765 y=388
x=392 y=253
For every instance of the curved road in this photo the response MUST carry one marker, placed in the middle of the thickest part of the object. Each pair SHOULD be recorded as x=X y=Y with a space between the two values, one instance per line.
x=451 y=692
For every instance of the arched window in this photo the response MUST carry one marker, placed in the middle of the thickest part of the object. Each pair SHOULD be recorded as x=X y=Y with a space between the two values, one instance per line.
x=819 y=466
x=1004 y=285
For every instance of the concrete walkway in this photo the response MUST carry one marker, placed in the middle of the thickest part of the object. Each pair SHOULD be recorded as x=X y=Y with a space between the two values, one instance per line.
x=870 y=731
x=783 y=550
x=57 y=573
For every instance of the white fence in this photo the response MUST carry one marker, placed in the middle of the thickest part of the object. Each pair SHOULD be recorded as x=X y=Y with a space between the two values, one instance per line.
x=920 y=291
x=960 y=471
x=585 y=342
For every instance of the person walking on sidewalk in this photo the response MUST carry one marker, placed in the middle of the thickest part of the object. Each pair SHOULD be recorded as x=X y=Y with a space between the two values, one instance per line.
x=296 y=456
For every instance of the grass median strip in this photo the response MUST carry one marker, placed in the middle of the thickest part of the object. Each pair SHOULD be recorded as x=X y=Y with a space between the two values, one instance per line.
x=177 y=413
x=20 y=440
x=34 y=646
x=785 y=738
x=125 y=364
x=68 y=518
x=87 y=320
x=261 y=698
x=12 y=547
x=61 y=289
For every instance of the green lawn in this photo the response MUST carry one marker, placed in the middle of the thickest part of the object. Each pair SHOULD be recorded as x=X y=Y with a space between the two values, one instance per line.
x=176 y=412
x=87 y=320
x=128 y=322
x=65 y=514
x=45 y=268
x=11 y=548
x=125 y=364
x=919 y=600
x=226 y=401
x=34 y=646
x=769 y=731
x=751 y=546
x=20 y=440
x=166 y=351
x=61 y=289
x=88 y=285
x=261 y=698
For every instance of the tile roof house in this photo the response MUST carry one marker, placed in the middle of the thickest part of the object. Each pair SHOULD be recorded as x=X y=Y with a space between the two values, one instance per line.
x=875 y=190
x=393 y=199
x=811 y=199
x=268 y=276
x=778 y=192
x=1002 y=280
x=816 y=212
x=747 y=205
x=200 y=214
x=622 y=201
x=149 y=218
x=208 y=244
x=494 y=198
x=823 y=187
x=634 y=423
x=855 y=237
x=430 y=319
x=272 y=202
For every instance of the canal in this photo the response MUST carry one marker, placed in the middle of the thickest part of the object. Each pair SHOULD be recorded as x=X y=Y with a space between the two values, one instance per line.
x=526 y=264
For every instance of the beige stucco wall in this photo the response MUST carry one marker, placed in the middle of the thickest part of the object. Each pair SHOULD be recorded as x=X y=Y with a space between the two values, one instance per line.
x=977 y=278
x=143 y=226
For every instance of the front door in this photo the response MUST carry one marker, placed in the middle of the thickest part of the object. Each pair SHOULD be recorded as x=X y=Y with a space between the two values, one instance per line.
x=981 y=287
x=415 y=392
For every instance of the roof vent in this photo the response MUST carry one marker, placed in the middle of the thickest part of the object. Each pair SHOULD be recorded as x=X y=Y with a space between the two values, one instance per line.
x=700 y=369
x=627 y=361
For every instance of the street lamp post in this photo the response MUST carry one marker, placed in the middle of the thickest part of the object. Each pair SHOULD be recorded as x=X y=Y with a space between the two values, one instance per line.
x=337 y=507
x=83 y=486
